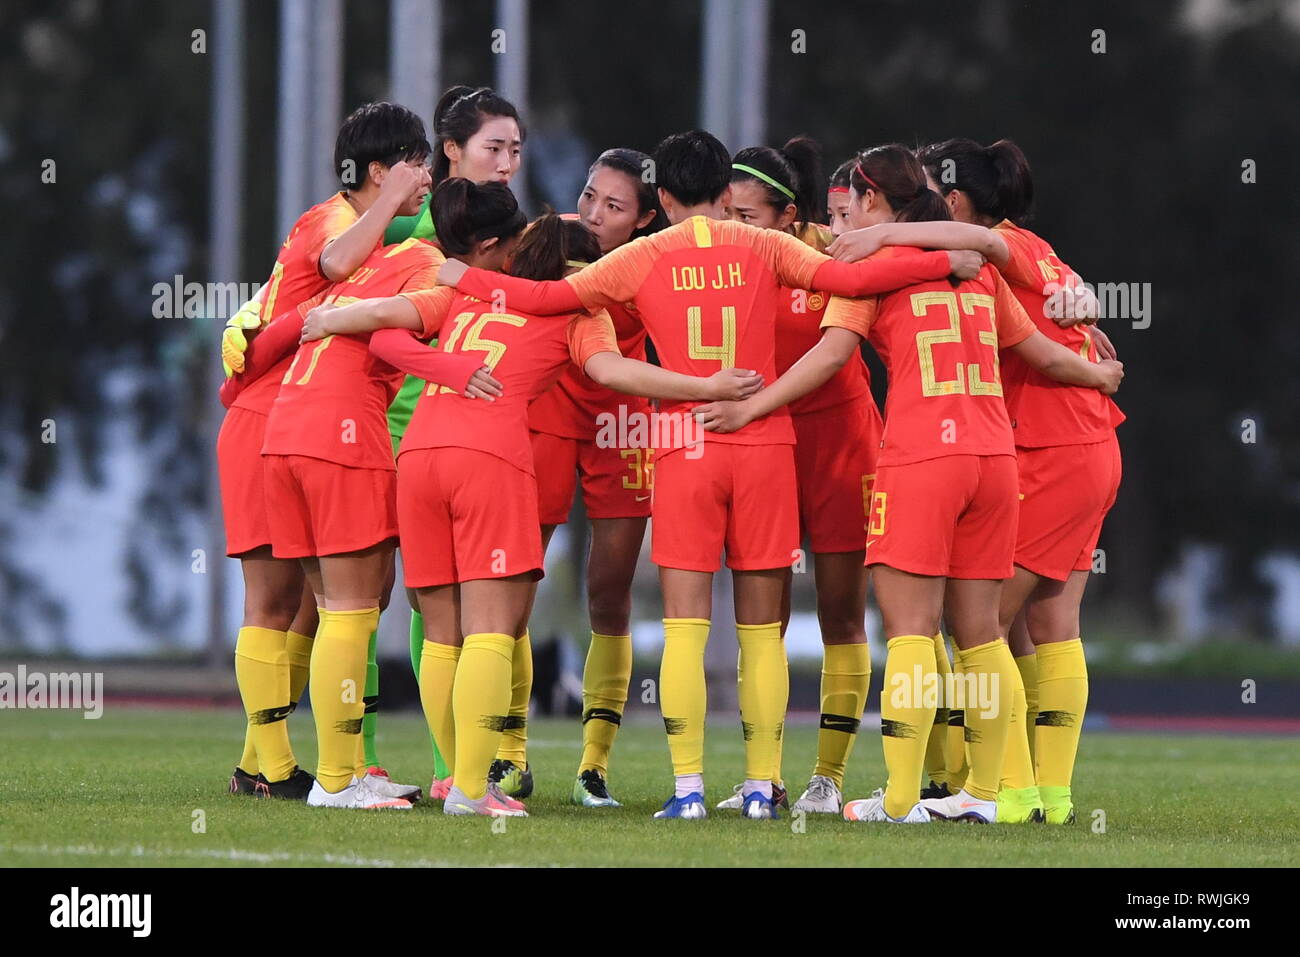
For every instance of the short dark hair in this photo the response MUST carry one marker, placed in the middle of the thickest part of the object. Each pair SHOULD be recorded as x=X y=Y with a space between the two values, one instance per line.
x=382 y=132
x=693 y=167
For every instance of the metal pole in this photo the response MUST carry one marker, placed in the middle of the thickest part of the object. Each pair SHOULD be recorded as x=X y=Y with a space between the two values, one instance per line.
x=512 y=74
x=327 y=95
x=293 y=122
x=717 y=56
x=751 y=79
x=225 y=223
x=415 y=43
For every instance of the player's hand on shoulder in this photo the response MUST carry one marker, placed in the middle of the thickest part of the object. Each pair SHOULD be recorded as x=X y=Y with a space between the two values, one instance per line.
x=734 y=384
x=1112 y=373
x=965 y=263
x=483 y=386
x=855 y=244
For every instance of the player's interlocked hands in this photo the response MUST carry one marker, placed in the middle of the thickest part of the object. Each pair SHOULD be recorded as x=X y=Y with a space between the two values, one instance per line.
x=234 y=342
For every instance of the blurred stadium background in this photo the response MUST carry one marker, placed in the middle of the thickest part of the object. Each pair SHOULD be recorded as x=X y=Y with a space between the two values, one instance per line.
x=149 y=145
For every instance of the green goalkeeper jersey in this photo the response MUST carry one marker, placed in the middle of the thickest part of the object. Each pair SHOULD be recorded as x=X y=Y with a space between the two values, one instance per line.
x=399 y=413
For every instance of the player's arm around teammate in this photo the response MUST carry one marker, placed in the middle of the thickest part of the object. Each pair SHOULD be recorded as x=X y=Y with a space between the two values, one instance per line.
x=1068 y=460
x=386 y=143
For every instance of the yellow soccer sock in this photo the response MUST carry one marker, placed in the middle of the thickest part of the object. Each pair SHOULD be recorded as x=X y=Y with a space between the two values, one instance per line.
x=1062 y=700
x=989 y=701
x=605 y=679
x=936 y=747
x=1017 y=765
x=1028 y=666
x=262 y=671
x=907 y=709
x=683 y=696
x=514 y=737
x=846 y=676
x=763 y=697
x=437 y=678
x=780 y=741
x=299 y=649
x=248 y=761
x=955 y=745
x=480 y=701
x=338 y=679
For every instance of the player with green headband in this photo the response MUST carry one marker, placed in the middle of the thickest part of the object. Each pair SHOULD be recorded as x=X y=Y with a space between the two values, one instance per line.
x=477 y=135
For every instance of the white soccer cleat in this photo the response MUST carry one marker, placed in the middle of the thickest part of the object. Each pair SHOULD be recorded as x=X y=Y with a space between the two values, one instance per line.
x=733 y=803
x=383 y=784
x=873 y=809
x=962 y=807
x=491 y=804
x=820 y=797
x=361 y=794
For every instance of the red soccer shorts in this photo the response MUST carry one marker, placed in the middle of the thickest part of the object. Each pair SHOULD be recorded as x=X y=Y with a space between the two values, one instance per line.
x=242 y=479
x=835 y=461
x=953 y=516
x=1065 y=493
x=740 y=496
x=322 y=508
x=616 y=483
x=466 y=515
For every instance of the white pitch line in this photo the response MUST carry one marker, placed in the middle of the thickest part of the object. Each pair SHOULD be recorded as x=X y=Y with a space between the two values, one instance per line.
x=223 y=854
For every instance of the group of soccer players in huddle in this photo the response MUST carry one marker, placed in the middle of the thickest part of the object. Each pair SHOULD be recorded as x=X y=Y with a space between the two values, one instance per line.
x=425 y=366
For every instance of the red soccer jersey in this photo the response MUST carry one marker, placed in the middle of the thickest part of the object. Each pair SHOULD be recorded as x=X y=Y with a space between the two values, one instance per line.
x=1045 y=412
x=707 y=292
x=940 y=345
x=526 y=354
x=572 y=407
x=334 y=398
x=295 y=278
x=798 y=328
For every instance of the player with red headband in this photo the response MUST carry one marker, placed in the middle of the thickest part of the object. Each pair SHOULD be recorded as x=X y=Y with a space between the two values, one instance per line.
x=942 y=524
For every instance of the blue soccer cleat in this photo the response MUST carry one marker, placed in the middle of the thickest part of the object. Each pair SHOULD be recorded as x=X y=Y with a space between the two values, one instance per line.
x=757 y=806
x=689 y=808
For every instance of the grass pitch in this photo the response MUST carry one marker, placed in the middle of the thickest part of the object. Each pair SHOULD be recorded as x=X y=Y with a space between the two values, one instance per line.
x=128 y=789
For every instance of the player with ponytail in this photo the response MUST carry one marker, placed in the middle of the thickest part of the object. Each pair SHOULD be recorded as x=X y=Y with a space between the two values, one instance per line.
x=478 y=136
x=1069 y=465
x=941 y=522
x=837 y=429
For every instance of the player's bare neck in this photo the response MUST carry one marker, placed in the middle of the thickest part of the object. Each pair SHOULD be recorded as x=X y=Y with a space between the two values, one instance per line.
x=678 y=214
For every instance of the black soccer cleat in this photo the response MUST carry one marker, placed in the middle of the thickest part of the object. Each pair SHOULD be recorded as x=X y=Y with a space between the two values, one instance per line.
x=295 y=787
x=935 y=791
x=514 y=782
x=779 y=796
x=241 y=782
